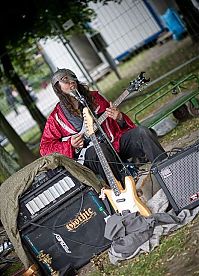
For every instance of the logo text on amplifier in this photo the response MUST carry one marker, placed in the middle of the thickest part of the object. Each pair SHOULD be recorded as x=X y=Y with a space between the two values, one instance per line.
x=166 y=172
x=194 y=197
x=62 y=242
x=81 y=218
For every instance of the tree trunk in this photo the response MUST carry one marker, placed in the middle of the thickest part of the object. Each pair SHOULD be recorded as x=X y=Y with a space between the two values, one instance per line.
x=8 y=165
x=27 y=100
x=191 y=18
x=24 y=153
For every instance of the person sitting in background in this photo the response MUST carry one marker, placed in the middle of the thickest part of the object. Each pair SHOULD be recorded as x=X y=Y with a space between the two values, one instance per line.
x=29 y=89
x=11 y=98
x=61 y=132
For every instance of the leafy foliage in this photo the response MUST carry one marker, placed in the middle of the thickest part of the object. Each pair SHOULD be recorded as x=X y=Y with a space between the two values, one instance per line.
x=24 y=23
x=32 y=19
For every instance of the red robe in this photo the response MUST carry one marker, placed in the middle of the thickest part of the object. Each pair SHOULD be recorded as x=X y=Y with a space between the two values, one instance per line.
x=57 y=131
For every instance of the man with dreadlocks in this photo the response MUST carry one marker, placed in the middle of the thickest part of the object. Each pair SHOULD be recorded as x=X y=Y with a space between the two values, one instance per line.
x=63 y=133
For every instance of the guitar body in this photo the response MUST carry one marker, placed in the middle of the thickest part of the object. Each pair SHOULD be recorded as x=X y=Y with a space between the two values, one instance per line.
x=127 y=199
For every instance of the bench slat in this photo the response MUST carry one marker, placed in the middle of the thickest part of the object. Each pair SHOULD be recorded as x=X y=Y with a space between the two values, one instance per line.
x=168 y=108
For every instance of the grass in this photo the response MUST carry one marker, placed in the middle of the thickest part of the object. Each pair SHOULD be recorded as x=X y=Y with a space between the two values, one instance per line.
x=184 y=128
x=154 y=263
x=15 y=266
x=31 y=137
x=173 y=55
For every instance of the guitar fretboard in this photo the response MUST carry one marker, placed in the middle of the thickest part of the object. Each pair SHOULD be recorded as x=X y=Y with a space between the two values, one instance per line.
x=107 y=170
x=134 y=86
x=117 y=102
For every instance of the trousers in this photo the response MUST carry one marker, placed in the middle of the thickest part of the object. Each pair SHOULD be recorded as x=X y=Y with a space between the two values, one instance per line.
x=138 y=142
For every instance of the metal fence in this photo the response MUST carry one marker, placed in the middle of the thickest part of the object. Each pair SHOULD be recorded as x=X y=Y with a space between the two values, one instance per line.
x=125 y=39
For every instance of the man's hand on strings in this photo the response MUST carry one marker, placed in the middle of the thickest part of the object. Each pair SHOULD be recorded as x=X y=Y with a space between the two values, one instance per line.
x=113 y=112
x=77 y=141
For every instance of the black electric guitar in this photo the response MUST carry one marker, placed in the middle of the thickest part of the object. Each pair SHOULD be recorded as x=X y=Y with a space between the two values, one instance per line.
x=121 y=199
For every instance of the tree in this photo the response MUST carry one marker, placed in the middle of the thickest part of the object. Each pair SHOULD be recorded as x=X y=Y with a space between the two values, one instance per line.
x=27 y=22
x=190 y=15
x=13 y=78
x=24 y=153
x=22 y=24
x=8 y=165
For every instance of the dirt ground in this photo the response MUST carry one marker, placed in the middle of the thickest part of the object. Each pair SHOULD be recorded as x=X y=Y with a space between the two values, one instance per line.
x=184 y=141
x=186 y=263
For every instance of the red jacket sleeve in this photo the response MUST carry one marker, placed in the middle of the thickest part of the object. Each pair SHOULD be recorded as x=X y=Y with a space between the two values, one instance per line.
x=51 y=140
x=103 y=103
x=110 y=126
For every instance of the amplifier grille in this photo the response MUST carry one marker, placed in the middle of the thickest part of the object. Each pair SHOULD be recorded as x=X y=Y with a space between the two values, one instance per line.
x=49 y=195
x=179 y=178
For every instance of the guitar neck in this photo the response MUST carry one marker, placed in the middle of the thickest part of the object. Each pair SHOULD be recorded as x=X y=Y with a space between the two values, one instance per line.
x=107 y=170
x=117 y=102
x=134 y=86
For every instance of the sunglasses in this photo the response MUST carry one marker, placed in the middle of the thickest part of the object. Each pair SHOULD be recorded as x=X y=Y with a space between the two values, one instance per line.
x=65 y=80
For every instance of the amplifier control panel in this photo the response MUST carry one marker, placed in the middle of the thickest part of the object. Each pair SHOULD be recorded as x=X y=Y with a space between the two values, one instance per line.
x=47 y=191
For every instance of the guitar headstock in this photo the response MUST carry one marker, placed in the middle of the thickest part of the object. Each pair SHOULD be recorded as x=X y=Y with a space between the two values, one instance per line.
x=136 y=84
x=88 y=121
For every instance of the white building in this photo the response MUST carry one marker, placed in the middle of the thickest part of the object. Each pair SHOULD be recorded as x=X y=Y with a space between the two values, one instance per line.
x=124 y=27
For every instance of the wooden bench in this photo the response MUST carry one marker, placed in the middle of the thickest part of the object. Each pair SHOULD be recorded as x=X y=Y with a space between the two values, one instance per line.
x=178 y=96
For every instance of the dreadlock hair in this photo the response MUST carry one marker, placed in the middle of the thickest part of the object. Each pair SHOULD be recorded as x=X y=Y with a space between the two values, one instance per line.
x=66 y=100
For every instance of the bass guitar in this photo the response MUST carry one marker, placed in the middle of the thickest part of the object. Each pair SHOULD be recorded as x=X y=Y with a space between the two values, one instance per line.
x=120 y=199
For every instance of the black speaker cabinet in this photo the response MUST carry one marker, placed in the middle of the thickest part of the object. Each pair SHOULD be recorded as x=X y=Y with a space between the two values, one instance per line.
x=179 y=178
x=70 y=235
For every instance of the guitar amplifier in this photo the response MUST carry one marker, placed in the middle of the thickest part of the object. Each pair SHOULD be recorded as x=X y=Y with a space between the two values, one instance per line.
x=48 y=190
x=178 y=176
x=69 y=235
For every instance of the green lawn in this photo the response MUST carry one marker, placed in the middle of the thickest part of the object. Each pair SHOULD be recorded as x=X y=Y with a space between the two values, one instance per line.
x=147 y=264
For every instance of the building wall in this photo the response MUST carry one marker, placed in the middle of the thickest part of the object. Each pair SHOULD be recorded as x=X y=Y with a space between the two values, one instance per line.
x=124 y=27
